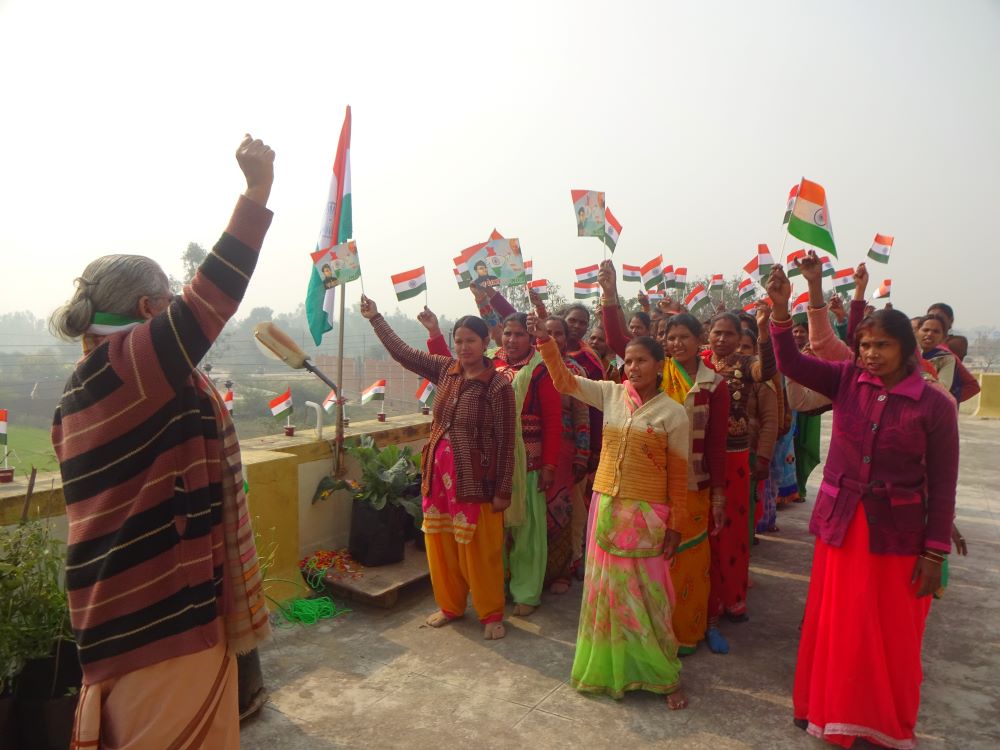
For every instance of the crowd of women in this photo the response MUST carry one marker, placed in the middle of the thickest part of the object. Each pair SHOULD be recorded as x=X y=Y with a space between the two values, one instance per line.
x=638 y=455
x=697 y=432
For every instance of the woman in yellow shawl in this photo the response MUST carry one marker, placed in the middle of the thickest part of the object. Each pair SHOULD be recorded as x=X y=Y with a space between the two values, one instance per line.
x=691 y=383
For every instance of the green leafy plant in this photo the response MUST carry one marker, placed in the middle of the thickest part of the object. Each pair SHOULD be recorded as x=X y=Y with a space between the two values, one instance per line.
x=389 y=476
x=34 y=613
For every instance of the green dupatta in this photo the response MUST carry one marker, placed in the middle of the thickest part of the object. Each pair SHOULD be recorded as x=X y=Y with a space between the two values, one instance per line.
x=517 y=511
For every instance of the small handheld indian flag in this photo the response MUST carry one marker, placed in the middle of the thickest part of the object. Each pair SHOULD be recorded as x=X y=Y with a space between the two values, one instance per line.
x=462 y=279
x=746 y=290
x=843 y=280
x=3 y=427
x=697 y=299
x=883 y=290
x=374 y=392
x=800 y=309
x=764 y=260
x=652 y=272
x=809 y=216
x=409 y=283
x=656 y=296
x=791 y=265
x=750 y=306
x=539 y=287
x=585 y=291
x=425 y=393
x=612 y=229
x=330 y=401
x=790 y=203
x=718 y=282
x=228 y=400
x=880 y=248
x=529 y=270
x=281 y=404
x=680 y=277
x=669 y=277
x=587 y=274
x=631 y=273
x=827 y=266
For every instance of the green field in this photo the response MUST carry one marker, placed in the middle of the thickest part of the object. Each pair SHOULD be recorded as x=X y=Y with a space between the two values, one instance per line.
x=30 y=446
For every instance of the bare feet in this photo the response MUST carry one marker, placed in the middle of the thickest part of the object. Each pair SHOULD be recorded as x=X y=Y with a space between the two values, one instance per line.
x=494 y=631
x=523 y=610
x=559 y=587
x=438 y=619
x=677 y=700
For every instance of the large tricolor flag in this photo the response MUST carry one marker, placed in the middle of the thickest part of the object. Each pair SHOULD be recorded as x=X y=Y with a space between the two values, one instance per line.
x=228 y=400
x=3 y=427
x=587 y=274
x=425 y=393
x=697 y=299
x=791 y=265
x=337 y=228
x=843 y=280
x=612 y=229
x=281 y=404
x=652 y=273
x=374 y=392
x=746 y=290
x=800 y=308
x=330 y=401
x=880 y=248
x=409 y=283
x=883 y=290
x=809 y=218
x=718 y=282
x=539 y=287
x=631 y=273
x=529 y=270
x=585 y=291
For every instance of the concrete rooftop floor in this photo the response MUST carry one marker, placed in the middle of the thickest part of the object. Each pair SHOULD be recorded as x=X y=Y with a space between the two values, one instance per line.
x=381 y=679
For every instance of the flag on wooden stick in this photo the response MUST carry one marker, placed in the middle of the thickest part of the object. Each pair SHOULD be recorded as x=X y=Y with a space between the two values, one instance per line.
x=425 y=393
x=697 y=299
x=883 y=290
x=680 y=277
x=539 y=287
x=746 y=290
x=585 y=291
x=652 y=273
x=587 y=274
x=612 y=230
x=791 y=265
x=3 y=427
x=409 y=283
x=374 y=392
x=529 y=270
x=282 y=404
x=809 y=218
x=227 y=400
x=330 y=401
x=880 y=248
x=631 y=273
x=718 y=282
x=843 y=280
x=800 y=309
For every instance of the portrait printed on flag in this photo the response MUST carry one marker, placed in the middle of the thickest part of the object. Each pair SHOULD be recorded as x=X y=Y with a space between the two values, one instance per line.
x=589 y=208
x=323 y=261
x=498 y=263
x=344 y=259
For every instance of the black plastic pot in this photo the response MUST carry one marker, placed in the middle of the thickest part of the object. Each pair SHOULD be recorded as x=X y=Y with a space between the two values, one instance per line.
x=378 y=536
x=8 y=723
x=45 y=699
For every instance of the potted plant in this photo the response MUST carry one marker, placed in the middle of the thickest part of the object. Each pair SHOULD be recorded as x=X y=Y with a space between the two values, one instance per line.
x=387 y=500
x=40 y=672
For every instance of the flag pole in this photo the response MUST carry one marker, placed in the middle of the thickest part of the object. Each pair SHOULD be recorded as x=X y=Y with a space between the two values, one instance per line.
x=339 y=432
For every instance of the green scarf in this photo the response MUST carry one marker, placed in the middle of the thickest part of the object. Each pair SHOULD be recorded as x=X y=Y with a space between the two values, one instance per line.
x=516 y=512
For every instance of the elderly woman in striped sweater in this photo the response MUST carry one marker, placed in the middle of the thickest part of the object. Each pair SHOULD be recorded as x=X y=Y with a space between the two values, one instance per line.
x=161 y=571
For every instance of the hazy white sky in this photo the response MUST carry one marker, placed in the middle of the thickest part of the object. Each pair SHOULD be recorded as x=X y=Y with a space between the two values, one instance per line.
x=119 y=124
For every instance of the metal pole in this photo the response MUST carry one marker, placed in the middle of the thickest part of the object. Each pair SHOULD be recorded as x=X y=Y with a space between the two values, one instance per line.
x=339 y=433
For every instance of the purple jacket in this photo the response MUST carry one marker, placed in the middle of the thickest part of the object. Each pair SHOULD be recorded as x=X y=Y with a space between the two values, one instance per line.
x=894 y=451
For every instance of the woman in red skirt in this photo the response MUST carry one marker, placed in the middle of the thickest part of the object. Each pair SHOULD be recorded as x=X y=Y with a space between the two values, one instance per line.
x=882 y=521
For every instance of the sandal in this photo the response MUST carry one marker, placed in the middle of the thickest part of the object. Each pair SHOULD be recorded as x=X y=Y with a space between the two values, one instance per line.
x=717 y=642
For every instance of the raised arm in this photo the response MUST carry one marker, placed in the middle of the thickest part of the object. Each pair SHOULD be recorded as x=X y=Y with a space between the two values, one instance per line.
x=612 y=317
x=179 y=336
x=824 y=343
x=426 y=365
x=822 y=377
x=435 y=339
x=764 y=368
x=589 y=391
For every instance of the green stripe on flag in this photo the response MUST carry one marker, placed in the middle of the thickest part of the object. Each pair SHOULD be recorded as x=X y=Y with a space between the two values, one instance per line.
x=408 y=293
x=316 y=316
x=811 y=234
